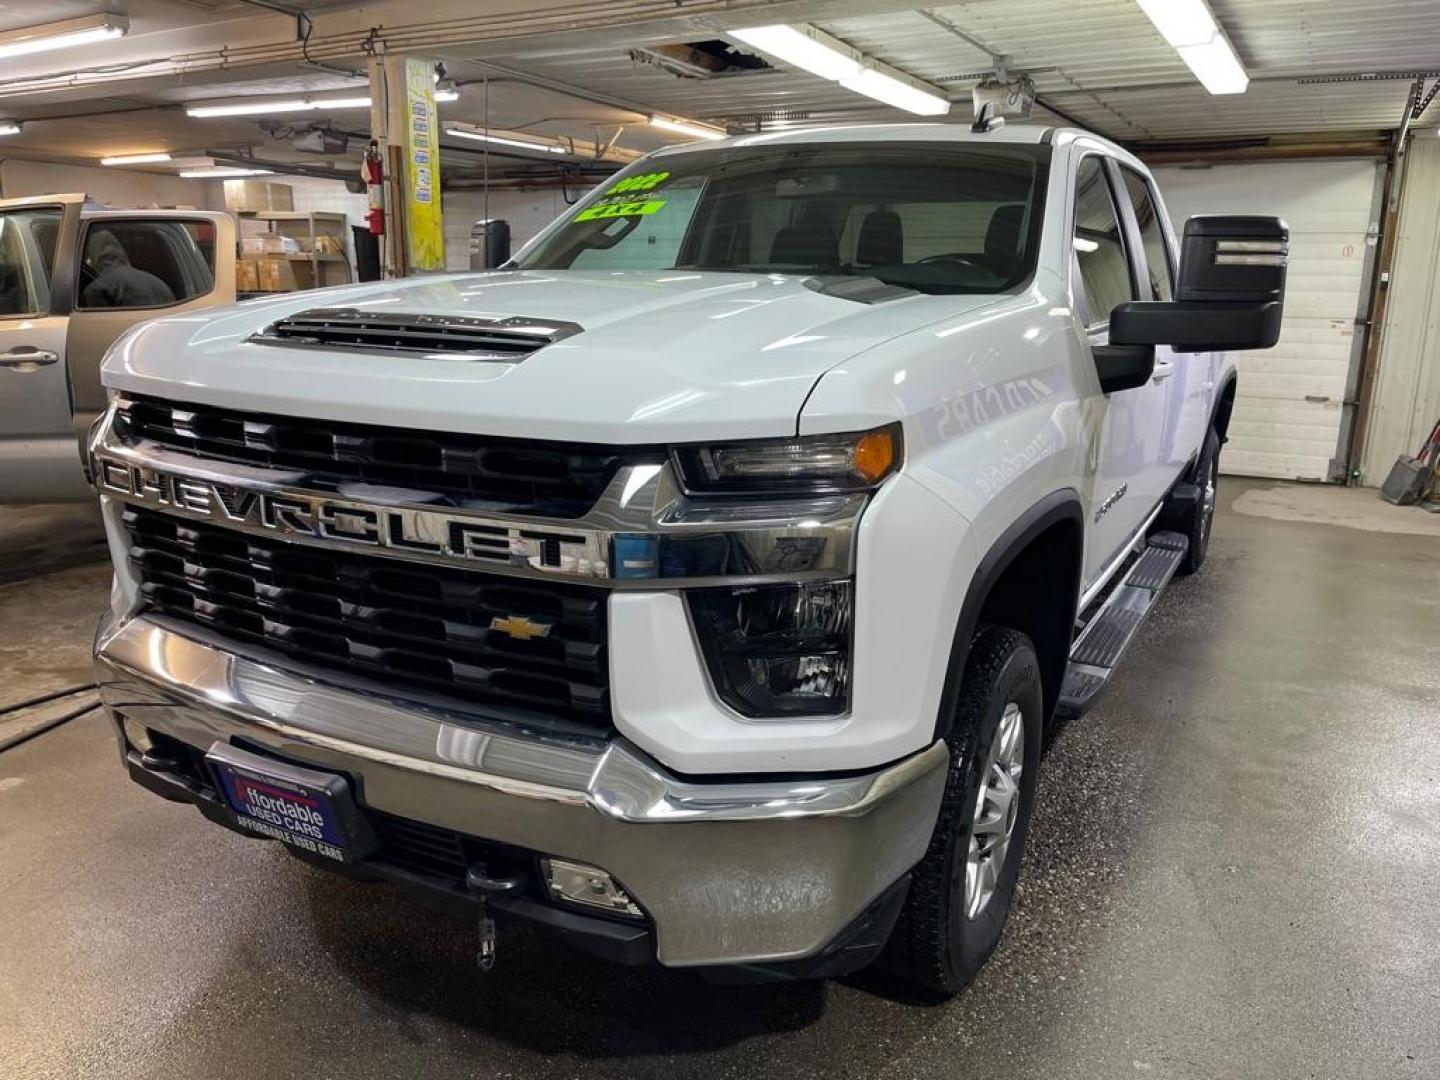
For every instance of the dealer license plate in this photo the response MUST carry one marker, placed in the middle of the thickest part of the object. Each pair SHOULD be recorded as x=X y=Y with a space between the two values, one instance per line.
x=301 y=807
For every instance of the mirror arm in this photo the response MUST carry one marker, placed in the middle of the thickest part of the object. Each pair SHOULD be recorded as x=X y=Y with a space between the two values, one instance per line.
x=1123 y=367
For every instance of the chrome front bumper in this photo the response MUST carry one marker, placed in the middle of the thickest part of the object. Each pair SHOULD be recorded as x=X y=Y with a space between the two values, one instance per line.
x=730 y=873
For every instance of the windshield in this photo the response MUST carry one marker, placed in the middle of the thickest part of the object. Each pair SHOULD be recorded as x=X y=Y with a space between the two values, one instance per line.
x=940 y=218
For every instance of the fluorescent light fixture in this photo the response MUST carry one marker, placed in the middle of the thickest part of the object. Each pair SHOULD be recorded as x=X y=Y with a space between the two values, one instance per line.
x=62 y=35
x=9 y=127
x=295 y=105
x=686 y=127
x=223 y=172
x=1191 y=30
x=135 y=159
x=485 y=136
x=801 y=49
x=1181 y=22
x=1216 y=66
x=278 y=105
x=892 y=91
x=830 y=58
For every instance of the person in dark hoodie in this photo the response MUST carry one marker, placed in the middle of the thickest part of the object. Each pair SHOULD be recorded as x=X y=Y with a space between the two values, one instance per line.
x=117 y=283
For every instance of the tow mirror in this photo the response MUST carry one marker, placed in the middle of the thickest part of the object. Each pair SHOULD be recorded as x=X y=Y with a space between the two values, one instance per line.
x=1231 y=293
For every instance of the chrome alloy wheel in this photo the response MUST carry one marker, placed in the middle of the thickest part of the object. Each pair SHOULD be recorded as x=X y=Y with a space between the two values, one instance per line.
x=1207 y=504
x=996 y=808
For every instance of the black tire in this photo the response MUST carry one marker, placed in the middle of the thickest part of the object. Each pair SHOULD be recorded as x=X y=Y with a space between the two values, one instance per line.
x=1200 y=519
x=936 y=945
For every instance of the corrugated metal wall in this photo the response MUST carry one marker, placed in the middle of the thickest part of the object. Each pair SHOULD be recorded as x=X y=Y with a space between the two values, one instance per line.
x=1288 y=405
x=1407 y=386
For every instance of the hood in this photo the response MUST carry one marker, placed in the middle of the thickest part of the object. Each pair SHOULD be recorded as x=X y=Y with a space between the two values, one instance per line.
x=666 y=356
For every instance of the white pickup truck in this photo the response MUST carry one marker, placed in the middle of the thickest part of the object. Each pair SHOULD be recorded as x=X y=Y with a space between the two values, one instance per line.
x=702 y=583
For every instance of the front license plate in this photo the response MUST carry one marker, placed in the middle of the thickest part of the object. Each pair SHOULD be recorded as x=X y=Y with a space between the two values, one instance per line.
x=301 y=807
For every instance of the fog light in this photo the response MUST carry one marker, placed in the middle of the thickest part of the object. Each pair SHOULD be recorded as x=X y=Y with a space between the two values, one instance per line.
x=138 y=736
x=576 y=883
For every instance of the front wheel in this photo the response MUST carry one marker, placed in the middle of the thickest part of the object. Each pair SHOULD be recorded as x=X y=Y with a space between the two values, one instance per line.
x=1201 y=517
x=961 y=891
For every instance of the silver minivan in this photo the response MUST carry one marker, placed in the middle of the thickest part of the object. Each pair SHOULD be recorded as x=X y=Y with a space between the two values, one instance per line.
x=74 y=275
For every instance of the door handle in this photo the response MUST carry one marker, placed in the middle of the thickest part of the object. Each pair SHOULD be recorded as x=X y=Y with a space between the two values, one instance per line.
x=28 y=359
x=1163 y=370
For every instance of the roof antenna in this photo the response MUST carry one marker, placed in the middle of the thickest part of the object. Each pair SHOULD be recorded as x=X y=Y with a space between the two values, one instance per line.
x=986 y=120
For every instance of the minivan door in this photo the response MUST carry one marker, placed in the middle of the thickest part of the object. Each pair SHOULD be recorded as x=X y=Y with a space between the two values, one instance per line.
x=136 y=266
x=38 y=457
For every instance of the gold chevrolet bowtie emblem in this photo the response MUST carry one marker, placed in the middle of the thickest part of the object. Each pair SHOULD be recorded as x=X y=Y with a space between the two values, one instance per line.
x=519 y=627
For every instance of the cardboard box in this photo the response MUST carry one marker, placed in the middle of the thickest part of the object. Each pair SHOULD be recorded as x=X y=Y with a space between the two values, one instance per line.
x=258 y=195
x=247 y=276
x=268 y=245
x=276 y=275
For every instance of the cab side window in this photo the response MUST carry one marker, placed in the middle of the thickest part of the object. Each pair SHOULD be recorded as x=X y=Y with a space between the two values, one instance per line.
x=27 y=254
x=1104 y=277
x=143 y=264
x=1152 y=234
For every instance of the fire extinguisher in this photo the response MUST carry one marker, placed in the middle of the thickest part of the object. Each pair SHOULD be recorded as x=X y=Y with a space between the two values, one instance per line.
x=373 y=175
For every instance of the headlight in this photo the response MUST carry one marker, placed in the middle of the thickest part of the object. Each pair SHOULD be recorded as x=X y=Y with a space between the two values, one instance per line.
x=777 y=650
x=809 y=464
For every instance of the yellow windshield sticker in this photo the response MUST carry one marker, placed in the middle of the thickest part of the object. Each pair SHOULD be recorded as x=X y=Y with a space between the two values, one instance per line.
x=626 y=198
x=643 y=182
x=624 y=208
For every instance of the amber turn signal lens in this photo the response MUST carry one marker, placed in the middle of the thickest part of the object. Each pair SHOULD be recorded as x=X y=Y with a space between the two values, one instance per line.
x=874 y=455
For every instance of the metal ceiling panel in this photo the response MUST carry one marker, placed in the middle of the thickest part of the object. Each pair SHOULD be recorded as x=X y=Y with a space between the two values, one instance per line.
x=1098 y=60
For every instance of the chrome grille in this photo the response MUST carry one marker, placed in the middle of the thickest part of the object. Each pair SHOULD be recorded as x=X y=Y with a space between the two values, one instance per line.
x=506 y=340
x=515 y=475
x=401 y=622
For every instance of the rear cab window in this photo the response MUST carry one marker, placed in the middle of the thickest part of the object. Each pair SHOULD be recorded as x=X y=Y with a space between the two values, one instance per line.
x=1103 y=277
x=1152 y=234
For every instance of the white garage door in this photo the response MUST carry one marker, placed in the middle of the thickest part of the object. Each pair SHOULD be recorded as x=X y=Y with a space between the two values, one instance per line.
x=1288 y=404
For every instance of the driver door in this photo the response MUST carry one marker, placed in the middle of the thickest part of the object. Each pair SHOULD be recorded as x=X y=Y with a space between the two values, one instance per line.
x=39 y=461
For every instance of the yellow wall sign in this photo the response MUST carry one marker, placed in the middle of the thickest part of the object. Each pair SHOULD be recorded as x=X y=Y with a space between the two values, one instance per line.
x=424 y=225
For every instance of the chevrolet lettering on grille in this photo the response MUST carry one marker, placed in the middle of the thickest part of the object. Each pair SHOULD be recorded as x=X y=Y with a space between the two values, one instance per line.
x=422 y=533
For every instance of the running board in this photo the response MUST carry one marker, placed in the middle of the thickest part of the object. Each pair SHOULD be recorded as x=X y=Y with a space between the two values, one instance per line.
x=1108 y=634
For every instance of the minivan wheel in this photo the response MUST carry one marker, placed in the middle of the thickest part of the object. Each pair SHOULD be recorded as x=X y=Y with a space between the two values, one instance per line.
x=961 y=891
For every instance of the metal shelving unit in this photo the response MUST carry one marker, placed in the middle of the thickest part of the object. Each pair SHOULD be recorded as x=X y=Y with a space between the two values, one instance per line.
x=303 y=226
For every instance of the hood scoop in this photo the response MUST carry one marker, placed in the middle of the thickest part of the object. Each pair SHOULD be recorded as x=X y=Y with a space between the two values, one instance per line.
x=503 y=340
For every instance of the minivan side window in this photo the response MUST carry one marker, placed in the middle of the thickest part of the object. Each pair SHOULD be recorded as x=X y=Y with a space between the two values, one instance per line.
x=27 y=257
x=1099 y=251
x=134 y=263
x=1152 y=234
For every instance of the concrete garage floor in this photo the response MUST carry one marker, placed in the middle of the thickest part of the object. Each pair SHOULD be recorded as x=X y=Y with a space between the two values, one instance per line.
x=1234 y=871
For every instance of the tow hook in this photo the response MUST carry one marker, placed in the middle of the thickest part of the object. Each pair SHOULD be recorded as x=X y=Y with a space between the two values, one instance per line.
x=489 y=886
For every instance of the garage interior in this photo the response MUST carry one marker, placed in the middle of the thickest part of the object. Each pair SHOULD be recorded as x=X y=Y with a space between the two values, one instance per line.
x=1233 y=866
